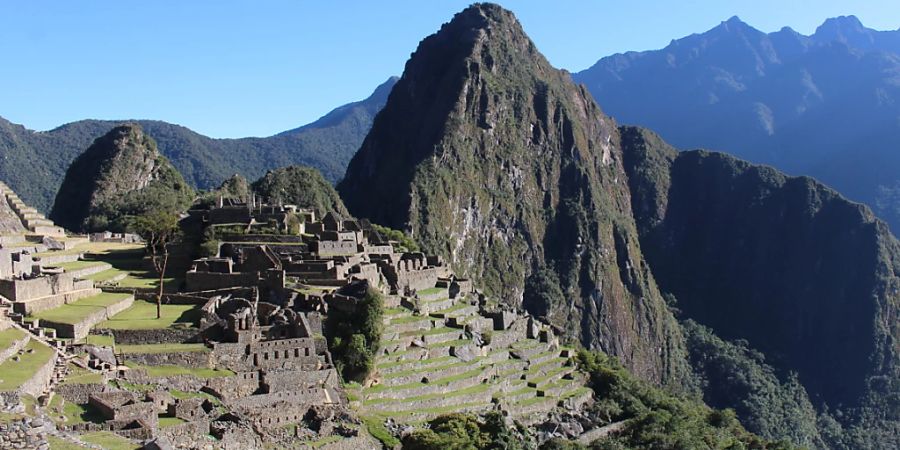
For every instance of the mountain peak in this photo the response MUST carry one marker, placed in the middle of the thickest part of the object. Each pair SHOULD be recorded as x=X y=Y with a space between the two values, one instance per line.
x=846 y=29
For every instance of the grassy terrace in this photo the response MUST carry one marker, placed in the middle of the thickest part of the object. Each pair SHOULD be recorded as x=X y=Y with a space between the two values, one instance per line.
x=142 y=316
x=477 y=389
x=167 y=371
x=77 y=311
x=10 y=335
x=77 y=375
x=431 y=291
x=438 y=382
x=14 y=373
x=160 y=348
x=76 y=265
x=97 y=248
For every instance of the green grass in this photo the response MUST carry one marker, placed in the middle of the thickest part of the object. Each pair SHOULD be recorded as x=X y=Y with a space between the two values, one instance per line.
x=167 y=371
x=77 y=311
x=101 y=248
x=430 y=291
x=409 y=319
x=160 y=348
x=14 y=373
x=438 y=382
x=375 y=426
x=10 y=335
x=101 y=340
x=431 y=368
x=72 y=413
x=392 y=364
x=77 y=375
x=142 y=316
x=76 y=265
x=430 y=332
x=165 y=422
x=109 y=441
x=478 y=388
x=57 y=443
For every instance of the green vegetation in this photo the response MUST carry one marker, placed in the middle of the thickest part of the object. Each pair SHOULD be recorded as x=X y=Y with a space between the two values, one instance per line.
x=119 y=177
x=735 y=376
x=77 y=375
x=354 y=336
x=77 y=311
x=407 y=243
x=165 y=422
x=159 y=229
x=466 y=432
x=142 y=316
x=14 y=373
x=657 y=419
x=375 y=427
x=108 y=441
x=301 y=186
x=10 y=335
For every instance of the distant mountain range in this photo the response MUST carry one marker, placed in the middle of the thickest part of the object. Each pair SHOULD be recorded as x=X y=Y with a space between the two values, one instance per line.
x=34 y=163
x=825 y=105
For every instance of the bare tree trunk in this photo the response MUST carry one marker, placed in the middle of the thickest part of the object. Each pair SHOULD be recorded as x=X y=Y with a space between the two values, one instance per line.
x=162 y=276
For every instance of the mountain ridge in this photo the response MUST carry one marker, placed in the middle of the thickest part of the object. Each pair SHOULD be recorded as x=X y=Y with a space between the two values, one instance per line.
x=769 y=97
x=326 y=144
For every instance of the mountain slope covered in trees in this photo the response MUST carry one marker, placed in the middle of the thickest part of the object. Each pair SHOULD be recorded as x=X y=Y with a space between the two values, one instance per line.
x=34 y=163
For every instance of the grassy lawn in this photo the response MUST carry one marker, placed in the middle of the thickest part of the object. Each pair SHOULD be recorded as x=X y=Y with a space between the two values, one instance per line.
x=430 y=291
x=14 y=373
x=166 y=371
x=142 y=316
x=72 y=413
x=77 y=375
x=94 y=247
x=57 y=443
x=100 y=340
x=76 y=265
x=10 y=335
x=160 y=348
x=109 y=441
x=77 y=311
x=170 y=421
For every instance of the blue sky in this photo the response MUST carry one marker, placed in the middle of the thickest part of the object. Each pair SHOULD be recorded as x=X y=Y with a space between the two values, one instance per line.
x=255 y=68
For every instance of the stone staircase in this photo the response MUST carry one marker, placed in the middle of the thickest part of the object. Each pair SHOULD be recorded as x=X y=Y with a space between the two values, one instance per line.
x=430 y=364
x=32 y=220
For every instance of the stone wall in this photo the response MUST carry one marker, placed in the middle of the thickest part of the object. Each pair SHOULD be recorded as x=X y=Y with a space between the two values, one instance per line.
x=25 y=433
x=22 y=290
x=158 y=336
x=79 y=393
x=82 y=328
x=185 y=432
x=185 y=359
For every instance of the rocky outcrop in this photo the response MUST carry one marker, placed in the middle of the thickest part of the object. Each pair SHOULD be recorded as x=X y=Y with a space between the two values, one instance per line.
x=121 y=174
x=492 y=158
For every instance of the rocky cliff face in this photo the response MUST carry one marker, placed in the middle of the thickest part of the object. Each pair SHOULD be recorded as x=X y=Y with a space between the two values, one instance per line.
x=802 y=274
x=492 y=158
x=119 y=175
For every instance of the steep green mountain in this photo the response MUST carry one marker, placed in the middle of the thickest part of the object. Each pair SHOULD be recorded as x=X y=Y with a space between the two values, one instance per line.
x=804 y=276
x=121 y=174
x=824 y=105
x=301 y=186
x=34 y=163
x=492 y=158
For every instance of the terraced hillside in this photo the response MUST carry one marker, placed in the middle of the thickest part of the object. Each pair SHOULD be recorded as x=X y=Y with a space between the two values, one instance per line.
x=431 y=363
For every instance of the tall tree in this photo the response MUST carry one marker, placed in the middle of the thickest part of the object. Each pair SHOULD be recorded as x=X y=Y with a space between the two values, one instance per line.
x=158 y=229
